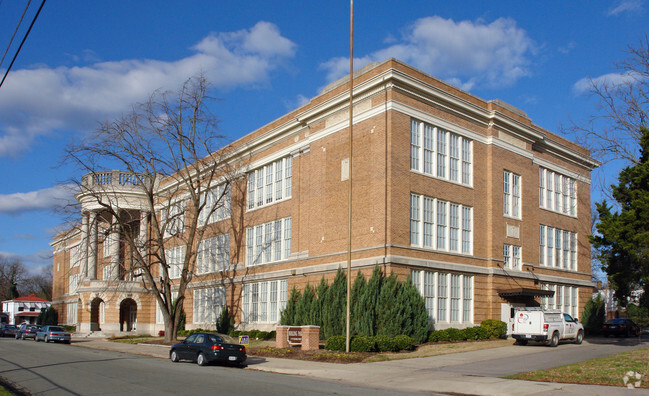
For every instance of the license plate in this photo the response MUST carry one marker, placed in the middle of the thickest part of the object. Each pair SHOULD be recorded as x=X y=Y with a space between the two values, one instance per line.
x=232 y=357
x=612 y=327
x=528 y=336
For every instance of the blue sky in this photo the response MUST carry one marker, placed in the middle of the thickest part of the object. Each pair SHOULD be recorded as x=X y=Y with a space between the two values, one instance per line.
x=88 y=61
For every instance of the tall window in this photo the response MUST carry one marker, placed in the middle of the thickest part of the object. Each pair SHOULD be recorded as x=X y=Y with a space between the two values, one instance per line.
x=511 y=194
x=175 y=258
x=216 y=205
x=512 y=257
x=557 y=192
x=213 y=254
x=448 y=297
x=444 y=225
x=270 y=183
x=173 y=218
x=74 y=283
x=262 y=302
x=440 y=153
x=75 y=256
x=560 y=249
x=72 y=313
x=268 y=242
x=208 y=305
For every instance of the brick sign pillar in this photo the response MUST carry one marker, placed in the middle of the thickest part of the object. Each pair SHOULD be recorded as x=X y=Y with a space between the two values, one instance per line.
x=281 y=337
x=310 y=338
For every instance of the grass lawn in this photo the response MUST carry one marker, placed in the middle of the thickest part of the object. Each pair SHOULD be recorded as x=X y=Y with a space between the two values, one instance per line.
x=609 y=370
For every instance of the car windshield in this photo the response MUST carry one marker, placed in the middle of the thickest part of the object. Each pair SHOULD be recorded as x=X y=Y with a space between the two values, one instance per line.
x=55 y=328
x=221 y=338
x=617 y=321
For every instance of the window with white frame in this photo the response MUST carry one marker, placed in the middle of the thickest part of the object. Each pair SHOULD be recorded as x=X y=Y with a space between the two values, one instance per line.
x=445 y=226
x=173 y=218
x=440 y=153
x=175 y=257
x=108 y=243
x=557 y=248
x=270 y=183
x=566 y=298
x=208 y=304
x=213 y=254
x=448 y=296
x=72 y=313
x=75 y=256
x=512 y=257
x=557 y=192
x=511 y=194
x=73 y=283
x=268 y=242
x=263 y=302
x=215 y=204
x=106 y=272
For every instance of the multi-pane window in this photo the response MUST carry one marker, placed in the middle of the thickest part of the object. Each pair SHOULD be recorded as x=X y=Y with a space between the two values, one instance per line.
x=175 y=258
x=173 y=218
x=108 y=243
x=560 y=249
x=512 y=257
x=74 y=283
x=262 y=302
x=448 y=297
x=557 y=192
x=215 y=205
x=566 y=298
x=72 y=313
x=440 y=153
x=444 y=225
x=511 y=194
x=268 y=242
x=208 y=305
x=75 y=256
x=270 y=183
x=213 y=254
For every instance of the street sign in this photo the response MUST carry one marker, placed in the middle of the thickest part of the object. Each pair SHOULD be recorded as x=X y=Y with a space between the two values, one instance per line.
x=244 y=340
x=294 y=335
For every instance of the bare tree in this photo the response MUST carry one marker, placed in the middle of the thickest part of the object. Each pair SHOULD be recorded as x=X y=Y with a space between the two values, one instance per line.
x=613 y=131
x=12 y=274
x=174 y=188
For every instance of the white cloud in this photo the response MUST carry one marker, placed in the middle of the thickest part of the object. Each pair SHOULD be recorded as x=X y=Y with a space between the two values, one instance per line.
x=625 y=6
x=466 y=53
x=35 y=262
x=35 y=102
x=46 y=199
x=609 y=81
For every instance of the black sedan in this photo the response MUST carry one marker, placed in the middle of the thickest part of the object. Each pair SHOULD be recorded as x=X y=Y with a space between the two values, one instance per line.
x=8 y=330
x=204 y=348
x=620 y=327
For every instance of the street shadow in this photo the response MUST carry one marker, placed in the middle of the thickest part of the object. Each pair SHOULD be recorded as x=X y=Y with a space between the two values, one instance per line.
x=252 y=360
x=621 y=341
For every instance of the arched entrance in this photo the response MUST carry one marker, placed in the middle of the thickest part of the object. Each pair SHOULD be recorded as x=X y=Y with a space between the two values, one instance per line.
x=127 y=315
x=96 y=314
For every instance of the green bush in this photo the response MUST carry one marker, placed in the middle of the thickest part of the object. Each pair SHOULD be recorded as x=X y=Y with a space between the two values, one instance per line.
x=404 y=342
x=482 y=333
x=593 y=316
x=234 y=333
x=271 y=335
x=470 y=333
x=361 y=343
x=496 y=328
x=455 y=334
x=70 y=329
x=385 y=343
x=336 y=343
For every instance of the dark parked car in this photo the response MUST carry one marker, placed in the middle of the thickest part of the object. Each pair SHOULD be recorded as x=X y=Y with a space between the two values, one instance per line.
x=204 y=348
x=8 y=330
x=53 y=333
x=620 y=327
x=27 y=330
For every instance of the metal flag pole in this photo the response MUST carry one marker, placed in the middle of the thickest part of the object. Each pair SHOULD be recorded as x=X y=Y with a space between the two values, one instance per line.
x=349 y=195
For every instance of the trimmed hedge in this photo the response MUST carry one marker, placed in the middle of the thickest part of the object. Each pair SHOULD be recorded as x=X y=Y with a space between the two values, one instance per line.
x=497 y=328
x=361 y=343
x=404 y=342
x=453 y=334
x=254 y=334
x=380 y=343
x=336 y=343
x=386 y=344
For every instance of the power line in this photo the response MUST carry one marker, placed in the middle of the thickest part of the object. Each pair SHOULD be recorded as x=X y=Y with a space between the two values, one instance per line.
x=15 y=31
x=22 y=42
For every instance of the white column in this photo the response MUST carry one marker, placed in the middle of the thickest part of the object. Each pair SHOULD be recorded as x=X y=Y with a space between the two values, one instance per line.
x=144 y=225
x=92 y=247
x=114 y=252
x=84 y=246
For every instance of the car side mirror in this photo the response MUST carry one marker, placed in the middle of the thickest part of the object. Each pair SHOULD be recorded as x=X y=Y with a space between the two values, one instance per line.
x=576 y=320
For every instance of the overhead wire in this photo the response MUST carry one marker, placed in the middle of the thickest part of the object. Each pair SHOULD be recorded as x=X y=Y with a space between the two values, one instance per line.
x=22 y=42
x=15 y=31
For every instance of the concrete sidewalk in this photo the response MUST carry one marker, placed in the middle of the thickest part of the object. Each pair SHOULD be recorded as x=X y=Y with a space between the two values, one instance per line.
x=415 y=375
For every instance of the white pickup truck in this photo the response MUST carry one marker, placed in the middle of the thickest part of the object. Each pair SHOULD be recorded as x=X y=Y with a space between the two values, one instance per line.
x=549 y=326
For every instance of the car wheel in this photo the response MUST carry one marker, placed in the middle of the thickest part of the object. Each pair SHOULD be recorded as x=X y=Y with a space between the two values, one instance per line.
x=554 y=341
x=16 y=337
x=201 y=360
x=174 y=357
x=46 y=340
x=580 y=337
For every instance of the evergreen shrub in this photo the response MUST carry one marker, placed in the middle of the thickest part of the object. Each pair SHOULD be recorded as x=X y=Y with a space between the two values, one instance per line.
x=385 y=343
x=455 y=334
x=496 y=328
x=404 y=342
x=336 y=343
x=361 y=343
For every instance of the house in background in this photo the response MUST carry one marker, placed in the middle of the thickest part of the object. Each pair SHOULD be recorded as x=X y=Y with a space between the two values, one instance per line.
x=482 y=208
x=24 y=309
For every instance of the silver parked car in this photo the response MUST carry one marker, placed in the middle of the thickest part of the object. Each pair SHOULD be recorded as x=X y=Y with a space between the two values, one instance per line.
x=53 y=333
